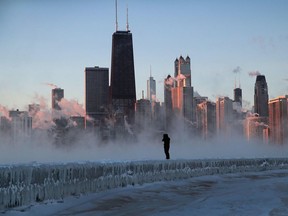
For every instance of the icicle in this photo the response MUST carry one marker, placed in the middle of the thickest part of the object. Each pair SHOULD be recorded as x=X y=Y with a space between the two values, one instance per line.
x=22 y=185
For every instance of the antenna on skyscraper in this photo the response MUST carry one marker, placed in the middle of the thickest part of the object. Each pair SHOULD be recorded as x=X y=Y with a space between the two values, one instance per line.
x=150 y=71
x=116 y=15
x=239 y=83
x=127 y=23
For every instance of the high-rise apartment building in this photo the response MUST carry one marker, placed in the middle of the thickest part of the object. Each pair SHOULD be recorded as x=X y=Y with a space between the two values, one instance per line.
x=21 y=123
x=123 y=92
x=261 y=96
x=182 y=101
x=5 y=125
x=182 y=72
x=197 y=99
x=278 y=119
x=96 y=92
x=224 y=114
x=206 y=118
x=255 y=128
x=57 y=95
x=143 y=112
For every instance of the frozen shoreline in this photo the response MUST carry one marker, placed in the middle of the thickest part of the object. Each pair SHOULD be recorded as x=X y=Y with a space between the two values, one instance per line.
x=30 y=183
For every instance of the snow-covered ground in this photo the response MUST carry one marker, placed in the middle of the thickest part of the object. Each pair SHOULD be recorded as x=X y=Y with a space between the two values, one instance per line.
x=22 y=185
x=253 y=193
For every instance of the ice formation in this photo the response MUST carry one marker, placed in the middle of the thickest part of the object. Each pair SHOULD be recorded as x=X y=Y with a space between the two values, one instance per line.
x=25 y=184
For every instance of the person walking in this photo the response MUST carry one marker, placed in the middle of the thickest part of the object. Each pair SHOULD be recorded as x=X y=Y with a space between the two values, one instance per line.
x=166 y=140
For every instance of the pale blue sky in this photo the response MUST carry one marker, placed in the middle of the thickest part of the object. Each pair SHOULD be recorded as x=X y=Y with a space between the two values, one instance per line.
x=52 y=41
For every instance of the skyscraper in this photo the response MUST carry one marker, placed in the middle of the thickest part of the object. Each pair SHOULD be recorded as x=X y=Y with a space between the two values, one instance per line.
x=206 y=118
x=182 y=72
x=96 y=91
x=21 y=123
x=123 y=92
x=182 y=91
x=261 y=96
x=182 y=101
x=224 y=114
x=254 y=128
x=143 y=112
x=168 y=84
x=151 y=94
x=278 y=119
x=57 y=95
x=61 y=122
x=238 y=96
x=151 y=89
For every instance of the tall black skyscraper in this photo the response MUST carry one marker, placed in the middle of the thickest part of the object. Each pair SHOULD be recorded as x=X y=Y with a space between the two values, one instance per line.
x=96 y=91
x=261 y=96
x=238 y=95
x=122 y=89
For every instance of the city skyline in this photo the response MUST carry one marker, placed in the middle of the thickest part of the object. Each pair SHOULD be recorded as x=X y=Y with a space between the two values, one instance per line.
x=52 y=42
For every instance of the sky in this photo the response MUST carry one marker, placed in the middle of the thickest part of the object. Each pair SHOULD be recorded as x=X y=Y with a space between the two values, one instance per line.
x=44 y=42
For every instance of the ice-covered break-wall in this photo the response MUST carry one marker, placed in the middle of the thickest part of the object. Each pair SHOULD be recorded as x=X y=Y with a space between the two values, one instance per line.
x=25 y=184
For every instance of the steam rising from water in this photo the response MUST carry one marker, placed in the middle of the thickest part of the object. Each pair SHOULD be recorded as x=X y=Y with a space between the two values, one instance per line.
x=85 y=145
x=88 y=147
x=71 y=108
x=4 y=111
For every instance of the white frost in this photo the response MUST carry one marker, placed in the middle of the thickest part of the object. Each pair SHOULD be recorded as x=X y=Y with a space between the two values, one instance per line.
x=25 y=184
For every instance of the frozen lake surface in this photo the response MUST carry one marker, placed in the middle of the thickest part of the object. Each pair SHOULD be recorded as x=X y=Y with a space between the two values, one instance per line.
x=251 y=193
